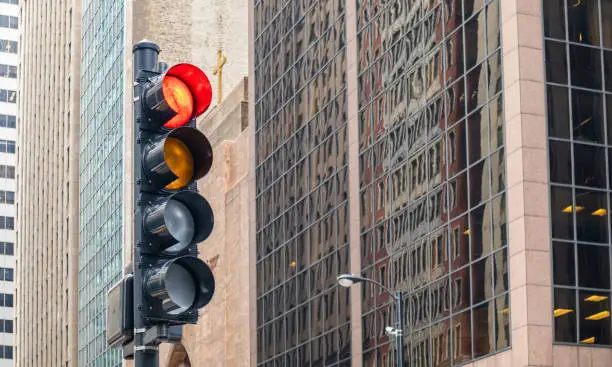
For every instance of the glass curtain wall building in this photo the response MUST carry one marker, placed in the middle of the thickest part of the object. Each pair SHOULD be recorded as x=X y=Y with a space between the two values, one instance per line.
x=432 y=179
x=101 y=174
x=578 y=51
x=301 y=183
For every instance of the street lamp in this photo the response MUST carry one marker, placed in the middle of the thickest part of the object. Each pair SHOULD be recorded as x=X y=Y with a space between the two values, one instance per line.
x=348 y=280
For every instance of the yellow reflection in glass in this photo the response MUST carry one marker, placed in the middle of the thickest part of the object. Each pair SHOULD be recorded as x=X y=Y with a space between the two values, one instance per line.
x=180 y=161
x=601 y=212
x=562 y=311
x=598 y=316
x=595 y=298
x=590 y=340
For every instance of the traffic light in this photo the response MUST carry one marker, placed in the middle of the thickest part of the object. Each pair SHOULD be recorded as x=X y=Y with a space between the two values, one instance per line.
x=170 y=282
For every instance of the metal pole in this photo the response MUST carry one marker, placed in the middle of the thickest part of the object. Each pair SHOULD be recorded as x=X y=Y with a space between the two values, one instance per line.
x=399 y=327
x=145 y=58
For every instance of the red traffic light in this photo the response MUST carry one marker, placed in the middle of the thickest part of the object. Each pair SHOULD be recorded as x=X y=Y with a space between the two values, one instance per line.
x=188 y=93
x=178 y=96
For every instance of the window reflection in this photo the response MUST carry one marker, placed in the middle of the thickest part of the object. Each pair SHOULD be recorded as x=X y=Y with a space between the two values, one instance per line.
x=556 y=54
x=583 y=22
x=560 y=161
x=564 y=268
x=483 y=329
x=594 y=318
x=587 y=111
x=591 y=216
x=558 y=112
x=562 y=212
x=554 y=18
x=564 y=312
x=593 y=266
x=585 y=64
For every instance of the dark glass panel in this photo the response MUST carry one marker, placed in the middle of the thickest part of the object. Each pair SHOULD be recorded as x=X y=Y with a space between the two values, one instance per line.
x=484 y=332
x=608 y=70
x=478 y=134
x=459 y=242
x=454 y=57
x=558 y=112
x=583 y=21
x=344 y=336
x=482 y=280
x=461 y=334
x=480 y=183
x=565 y=315
x=556 y=59
x=585 y=64
x=493 y=29
x=441 y=344
x=562 y=211
x=560 y=159
x=589 y=165
x=456 y=151
x=460 y=289
x=475 y=49
x=500 y=272
x=591 y=216
x=587 y=116
x=554 y=18
x=564 y=267
x=606 y=14
x=470 y=7
x=476 y=84
x=593 y=266
x=494 y=65
x=500 y=233
x=502 y=322
x=594 y=317
x=440 y=299
x=480 y=235
x=496 y=120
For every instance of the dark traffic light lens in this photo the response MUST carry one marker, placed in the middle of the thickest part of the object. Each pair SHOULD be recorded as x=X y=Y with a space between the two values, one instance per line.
x=181 y=289
x=179 y=98
x=180 y=223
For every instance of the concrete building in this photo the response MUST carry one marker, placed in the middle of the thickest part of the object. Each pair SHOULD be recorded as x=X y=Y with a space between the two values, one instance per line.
x=457 y=151
x=9 y=34
x=47 y=179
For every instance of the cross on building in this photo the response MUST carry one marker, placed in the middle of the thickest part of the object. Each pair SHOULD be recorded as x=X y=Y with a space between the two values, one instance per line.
x=218 y=71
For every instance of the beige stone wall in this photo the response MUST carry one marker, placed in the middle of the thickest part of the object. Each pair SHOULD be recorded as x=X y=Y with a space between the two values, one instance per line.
x=47 y=184
x=222 y=335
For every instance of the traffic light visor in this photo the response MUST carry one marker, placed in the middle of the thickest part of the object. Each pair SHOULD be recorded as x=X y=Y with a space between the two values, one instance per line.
x=182 y=284
x=179 y=221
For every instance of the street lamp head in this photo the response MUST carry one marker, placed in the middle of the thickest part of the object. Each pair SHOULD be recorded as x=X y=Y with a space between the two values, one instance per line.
x=347 y=280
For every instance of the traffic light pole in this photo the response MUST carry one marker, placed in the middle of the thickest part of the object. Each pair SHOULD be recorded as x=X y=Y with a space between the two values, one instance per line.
x=145 y=58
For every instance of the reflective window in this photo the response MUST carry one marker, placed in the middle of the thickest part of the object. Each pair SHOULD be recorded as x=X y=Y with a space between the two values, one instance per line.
x=579 y=136
x=301 y=182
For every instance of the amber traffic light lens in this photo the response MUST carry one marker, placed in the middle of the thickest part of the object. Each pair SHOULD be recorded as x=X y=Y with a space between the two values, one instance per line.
x=179 y=98
x=180 y=161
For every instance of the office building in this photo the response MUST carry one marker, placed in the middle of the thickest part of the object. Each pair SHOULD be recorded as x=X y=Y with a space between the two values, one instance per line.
x=49 y=45
x=453 y=150
x=9 y=33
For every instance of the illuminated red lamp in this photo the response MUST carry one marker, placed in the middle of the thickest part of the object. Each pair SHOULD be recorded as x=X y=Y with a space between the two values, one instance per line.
x=187 y=91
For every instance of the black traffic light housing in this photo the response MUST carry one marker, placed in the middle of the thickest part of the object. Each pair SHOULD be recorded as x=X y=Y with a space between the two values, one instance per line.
x=170 y=282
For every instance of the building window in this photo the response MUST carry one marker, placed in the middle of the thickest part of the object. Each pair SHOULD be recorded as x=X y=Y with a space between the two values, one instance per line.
x=579 y=151
x=6 y=171
x=6 y=300
x=7 y=222
x=9 y=21
x=8 y=96
x=8 y=71
x=8 y=46
x=8 y=121
x=6 y=274
x=7 y=146
x=15 y=2
x=7 y=197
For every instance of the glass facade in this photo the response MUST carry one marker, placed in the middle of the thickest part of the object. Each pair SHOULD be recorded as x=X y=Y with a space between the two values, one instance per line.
x=432 y=179
x=301 y=183
x=101 y=174
x=578 y=52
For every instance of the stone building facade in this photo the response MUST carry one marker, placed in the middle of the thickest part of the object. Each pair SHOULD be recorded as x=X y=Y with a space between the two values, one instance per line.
x=48 y=184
